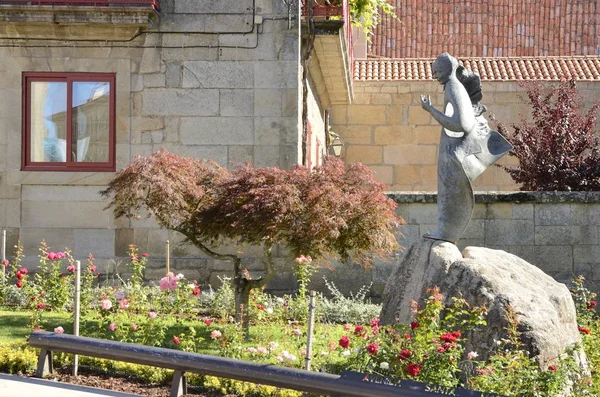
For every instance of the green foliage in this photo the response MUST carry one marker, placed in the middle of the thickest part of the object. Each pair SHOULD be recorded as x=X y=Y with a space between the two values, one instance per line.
x=14 y=296
x=340 y=309
x=11 y=285
x=246 y=389
x=366 y=14
x=430 y=351
x=137 y=263
x=18 y=358
x=221 y=304
x=54 y=287
x=88 y=278
x=512 y=365
x=589 y=328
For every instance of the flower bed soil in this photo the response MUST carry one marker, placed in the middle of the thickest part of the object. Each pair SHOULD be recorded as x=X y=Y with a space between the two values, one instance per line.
x=92 y=378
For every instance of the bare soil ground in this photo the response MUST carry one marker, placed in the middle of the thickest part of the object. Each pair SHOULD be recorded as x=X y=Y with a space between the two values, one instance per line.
x=100 y=380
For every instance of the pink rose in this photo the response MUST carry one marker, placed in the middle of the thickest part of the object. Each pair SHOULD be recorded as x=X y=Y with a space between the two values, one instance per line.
x=112 y=326
x=124 y=304
x=152 y=315
x=105 y=304
x=169 y=282
x=59 y=330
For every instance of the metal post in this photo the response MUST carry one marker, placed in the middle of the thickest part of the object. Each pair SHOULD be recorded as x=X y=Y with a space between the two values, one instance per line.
x=168 y=256
x=45 y=365
x=178 y=384
x=77 y=309
x=311 y=323
x=3 y=255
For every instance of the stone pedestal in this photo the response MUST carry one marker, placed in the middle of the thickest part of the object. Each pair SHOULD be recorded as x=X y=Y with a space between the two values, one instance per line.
x=491 y=278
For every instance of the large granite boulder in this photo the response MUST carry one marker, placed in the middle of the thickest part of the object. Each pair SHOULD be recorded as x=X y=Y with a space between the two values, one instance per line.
x=491 y=278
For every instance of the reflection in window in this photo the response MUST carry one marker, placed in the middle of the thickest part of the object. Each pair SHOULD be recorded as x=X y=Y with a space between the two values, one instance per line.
x=48 y=128
x=69 y=121
x=90 y=120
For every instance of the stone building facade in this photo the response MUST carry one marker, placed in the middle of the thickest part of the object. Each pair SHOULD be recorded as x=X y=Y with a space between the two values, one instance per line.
x=211 y=80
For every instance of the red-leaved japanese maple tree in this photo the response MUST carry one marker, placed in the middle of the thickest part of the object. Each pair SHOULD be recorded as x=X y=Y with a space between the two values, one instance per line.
x=559 y=149
x=335 y=210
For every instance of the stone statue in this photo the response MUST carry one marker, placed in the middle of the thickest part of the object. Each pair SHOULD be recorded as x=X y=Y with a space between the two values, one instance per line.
x=467 y=146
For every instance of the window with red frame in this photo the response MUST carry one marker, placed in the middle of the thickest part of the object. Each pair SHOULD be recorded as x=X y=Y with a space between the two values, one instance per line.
x=68 y=121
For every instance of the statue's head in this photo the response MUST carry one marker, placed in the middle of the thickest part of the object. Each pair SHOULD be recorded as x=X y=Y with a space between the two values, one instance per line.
x=443 y=67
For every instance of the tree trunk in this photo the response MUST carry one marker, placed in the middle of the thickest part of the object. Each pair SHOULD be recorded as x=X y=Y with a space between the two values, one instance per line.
x=242 y=283
x=242 y=297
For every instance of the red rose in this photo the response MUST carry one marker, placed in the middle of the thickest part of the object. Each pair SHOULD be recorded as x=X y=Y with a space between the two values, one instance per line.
x=176 y=340
x=456 y=334
x=407 y=336
x=344 y=342
x=375 y=323
x=414 y=325
x=196 y=291
x=404 y=354
x=413 y=369
x=372 y=348
x=448 y=337
x=19 y=276
x=208 y=322
x=552 y=368
x=584 y=330
x=40 y=305
x=144 y=255
x=359 y=330
x=24 y=270
x=19 y=284
x=93 y=269
x=591 y=305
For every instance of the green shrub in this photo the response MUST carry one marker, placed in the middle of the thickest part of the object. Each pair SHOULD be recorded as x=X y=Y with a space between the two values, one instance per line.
x=14 y=296
x=18 y=358
x=220 y=303
x=354 y=309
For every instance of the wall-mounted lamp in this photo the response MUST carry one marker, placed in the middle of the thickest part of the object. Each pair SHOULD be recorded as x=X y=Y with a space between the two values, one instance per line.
x=335 y=147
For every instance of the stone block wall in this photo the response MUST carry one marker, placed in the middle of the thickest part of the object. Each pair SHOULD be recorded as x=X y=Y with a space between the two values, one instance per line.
x=387 y=129
x=210 y=80
x=555 y=231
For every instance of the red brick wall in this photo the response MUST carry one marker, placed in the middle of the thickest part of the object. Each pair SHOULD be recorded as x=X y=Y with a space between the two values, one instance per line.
x=479 y=28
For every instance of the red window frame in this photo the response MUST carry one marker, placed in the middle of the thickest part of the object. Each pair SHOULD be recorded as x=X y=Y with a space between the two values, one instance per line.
x=69 y=165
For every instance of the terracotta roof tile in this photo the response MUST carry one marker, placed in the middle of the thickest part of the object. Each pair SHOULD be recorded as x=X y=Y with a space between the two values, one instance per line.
x=488 y=28
x=490 y=69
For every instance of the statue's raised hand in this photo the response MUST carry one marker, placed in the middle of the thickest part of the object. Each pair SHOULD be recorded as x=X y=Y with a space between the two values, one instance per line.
x=426 y=102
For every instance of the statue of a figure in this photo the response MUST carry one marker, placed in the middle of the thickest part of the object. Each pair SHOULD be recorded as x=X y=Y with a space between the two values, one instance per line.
x=467 y=146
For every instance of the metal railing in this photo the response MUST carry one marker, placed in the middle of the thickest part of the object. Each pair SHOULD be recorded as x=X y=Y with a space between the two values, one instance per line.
x=349 y=384
x=92 y=3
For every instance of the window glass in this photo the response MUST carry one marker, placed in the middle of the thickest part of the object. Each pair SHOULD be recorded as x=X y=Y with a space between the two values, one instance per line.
x=48 y=121
x=90 y=109
x=69 y=122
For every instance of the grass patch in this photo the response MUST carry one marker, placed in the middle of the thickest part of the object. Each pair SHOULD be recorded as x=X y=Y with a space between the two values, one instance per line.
x=14 y=325
x=14 y=328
